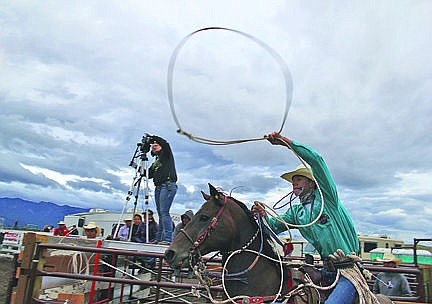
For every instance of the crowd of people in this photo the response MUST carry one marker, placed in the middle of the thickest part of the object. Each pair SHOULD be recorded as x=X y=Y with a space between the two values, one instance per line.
x=61 y=229
x=135 y=229
x=91 y=230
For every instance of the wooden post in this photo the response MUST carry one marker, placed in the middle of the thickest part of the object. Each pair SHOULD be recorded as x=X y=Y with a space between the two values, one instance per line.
x=35 y=282
x=29 y=243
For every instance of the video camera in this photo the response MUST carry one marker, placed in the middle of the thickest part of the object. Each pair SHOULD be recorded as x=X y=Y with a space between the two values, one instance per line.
x=145 y=143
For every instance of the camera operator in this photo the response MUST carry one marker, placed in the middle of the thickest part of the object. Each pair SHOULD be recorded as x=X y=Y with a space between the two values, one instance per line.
x=164 y=177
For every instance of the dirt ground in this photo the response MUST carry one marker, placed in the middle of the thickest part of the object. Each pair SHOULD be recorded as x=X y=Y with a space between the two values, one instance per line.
x=7 y=273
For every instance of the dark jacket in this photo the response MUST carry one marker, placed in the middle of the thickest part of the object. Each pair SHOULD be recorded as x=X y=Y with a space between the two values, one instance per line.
x=180 y=225
x=163 y=169
x=140 y=235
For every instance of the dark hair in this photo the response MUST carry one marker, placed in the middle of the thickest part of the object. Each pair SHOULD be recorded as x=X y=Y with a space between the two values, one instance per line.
x=139 y=215
x=150 y=212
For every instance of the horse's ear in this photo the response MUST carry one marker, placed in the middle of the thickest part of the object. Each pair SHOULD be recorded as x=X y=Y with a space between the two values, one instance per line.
x=205 y=196
x=215 y=194
x=213 y=191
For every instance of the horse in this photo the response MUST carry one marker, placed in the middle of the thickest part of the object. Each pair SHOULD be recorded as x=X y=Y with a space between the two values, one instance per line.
x=226 y=225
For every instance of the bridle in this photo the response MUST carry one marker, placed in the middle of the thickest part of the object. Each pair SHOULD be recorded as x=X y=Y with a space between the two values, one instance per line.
x=194 y=250
x=210 y=228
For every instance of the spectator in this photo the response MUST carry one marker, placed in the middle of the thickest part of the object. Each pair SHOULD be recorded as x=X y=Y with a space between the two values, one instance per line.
x=123 y=233
x=46 y=228
x=137 y=220
x=91 y=230
x=140 y=235
x=61 y=230
x=74 y=230
x=391 y=283
x=185 y=218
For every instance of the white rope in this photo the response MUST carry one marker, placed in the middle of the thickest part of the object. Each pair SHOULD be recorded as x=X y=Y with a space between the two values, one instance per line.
x=272 y=52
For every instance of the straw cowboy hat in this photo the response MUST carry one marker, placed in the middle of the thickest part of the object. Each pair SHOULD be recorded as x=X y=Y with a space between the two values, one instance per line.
x=300 y=170
x=127 y=219
x=92 y=225
x=389 y=257
x=61 y=223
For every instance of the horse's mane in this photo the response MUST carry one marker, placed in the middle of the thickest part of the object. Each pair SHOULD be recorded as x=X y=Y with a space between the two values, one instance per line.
x=267 y=247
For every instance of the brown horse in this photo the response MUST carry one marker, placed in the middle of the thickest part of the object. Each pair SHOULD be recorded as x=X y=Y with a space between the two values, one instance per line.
x=224 y=224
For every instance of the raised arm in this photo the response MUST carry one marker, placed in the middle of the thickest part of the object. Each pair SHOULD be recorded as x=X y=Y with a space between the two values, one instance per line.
x=313 y=159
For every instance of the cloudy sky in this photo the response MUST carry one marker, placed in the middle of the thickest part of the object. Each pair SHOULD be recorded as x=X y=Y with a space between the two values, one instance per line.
x=81 y=82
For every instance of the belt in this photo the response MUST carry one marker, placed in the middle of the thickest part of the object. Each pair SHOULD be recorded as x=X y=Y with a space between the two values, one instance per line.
x=166 y=182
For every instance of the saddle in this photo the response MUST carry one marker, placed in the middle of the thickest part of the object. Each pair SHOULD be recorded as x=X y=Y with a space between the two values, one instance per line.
x=317 y=278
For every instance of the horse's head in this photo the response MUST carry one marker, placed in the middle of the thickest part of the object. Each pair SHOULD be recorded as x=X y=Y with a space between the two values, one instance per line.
x=213 y=228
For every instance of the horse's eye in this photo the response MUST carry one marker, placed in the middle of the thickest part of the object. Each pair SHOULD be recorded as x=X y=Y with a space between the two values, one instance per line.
x=204 y=218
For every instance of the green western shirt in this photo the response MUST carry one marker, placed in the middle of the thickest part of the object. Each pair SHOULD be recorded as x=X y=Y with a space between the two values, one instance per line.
x=335 y=229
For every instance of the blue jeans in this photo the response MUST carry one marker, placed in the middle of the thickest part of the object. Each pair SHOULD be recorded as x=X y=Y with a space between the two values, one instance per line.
x=343 y=293
x=164 y=196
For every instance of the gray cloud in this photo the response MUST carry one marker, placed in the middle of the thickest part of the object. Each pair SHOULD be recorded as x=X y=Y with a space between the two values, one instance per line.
x=80 y=83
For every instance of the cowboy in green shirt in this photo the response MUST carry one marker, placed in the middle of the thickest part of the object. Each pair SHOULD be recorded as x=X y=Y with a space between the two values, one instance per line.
x=334 y=229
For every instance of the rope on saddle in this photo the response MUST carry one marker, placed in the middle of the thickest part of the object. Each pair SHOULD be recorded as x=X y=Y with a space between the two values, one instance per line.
x=347 y=267
x=354 y=275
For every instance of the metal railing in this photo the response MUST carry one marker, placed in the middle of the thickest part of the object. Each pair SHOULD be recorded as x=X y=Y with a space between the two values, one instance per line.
x=37 y=270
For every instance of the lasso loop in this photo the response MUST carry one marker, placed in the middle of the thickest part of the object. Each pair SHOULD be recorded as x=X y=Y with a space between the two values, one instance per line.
x=276 y=57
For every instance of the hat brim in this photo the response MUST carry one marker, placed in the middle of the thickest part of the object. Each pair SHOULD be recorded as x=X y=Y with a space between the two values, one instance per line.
x=302 y=171
x=397 y=261
x=98 y=230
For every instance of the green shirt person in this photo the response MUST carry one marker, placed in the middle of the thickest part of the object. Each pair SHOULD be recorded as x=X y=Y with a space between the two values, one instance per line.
x=334 y=229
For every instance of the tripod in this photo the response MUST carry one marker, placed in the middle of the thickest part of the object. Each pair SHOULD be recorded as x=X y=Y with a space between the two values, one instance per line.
x=141 y=171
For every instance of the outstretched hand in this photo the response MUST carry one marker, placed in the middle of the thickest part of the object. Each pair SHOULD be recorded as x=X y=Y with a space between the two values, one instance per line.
x=276 y=138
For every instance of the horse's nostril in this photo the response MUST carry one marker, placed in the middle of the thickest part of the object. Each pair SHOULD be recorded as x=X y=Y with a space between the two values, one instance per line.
x=169 y=255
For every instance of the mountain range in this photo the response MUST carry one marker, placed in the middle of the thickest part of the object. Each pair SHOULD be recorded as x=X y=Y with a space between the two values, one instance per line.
x=23 y=212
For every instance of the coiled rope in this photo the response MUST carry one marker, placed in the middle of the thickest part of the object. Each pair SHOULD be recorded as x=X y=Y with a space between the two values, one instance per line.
x=288 y=90
x=282 y=65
